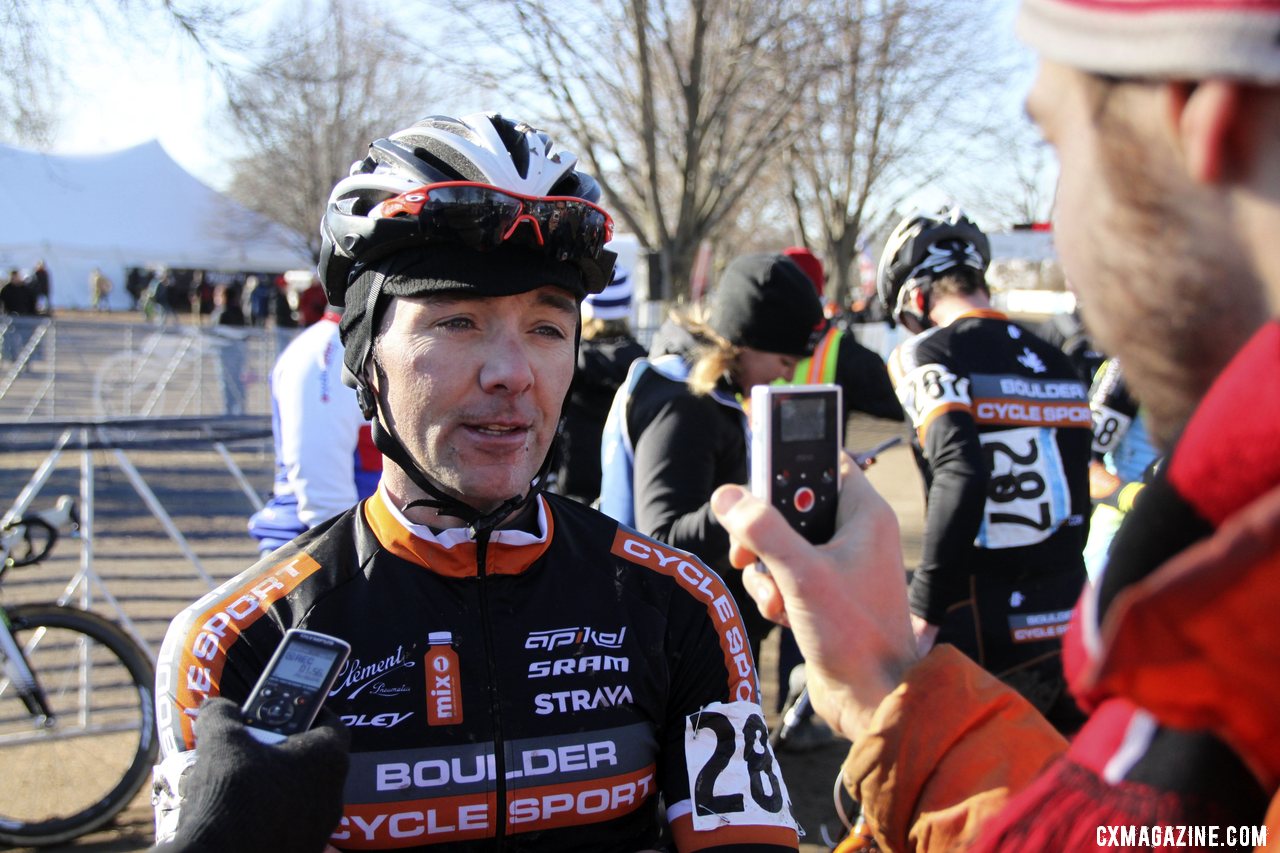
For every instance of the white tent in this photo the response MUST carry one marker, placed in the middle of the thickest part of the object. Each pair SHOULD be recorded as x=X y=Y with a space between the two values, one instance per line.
x=130 y=208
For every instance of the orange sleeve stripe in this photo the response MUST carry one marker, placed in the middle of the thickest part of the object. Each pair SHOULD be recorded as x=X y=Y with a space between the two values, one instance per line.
x=703 y=584
x=688 y=839
x=217 y=627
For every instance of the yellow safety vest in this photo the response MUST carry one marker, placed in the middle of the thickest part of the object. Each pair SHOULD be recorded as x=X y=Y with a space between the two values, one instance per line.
x=820 y=368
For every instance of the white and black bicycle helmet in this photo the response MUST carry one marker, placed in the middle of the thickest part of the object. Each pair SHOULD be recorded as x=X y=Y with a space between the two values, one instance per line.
x=379 y=240
x=923 y=247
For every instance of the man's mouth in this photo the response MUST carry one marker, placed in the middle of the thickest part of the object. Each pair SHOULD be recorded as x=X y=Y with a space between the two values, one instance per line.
x=497 y=429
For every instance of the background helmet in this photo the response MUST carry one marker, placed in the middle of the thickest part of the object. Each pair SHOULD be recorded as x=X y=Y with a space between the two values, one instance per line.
x=925 y=246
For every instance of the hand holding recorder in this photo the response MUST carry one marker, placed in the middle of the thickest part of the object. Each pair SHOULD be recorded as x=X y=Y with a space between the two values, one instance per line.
x=846 y=600
x=245 y=795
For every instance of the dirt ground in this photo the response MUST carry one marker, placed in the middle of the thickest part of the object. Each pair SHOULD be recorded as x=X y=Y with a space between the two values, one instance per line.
x=147 y=572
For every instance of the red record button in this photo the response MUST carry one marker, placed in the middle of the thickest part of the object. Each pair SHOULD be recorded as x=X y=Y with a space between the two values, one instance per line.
x=804 y=499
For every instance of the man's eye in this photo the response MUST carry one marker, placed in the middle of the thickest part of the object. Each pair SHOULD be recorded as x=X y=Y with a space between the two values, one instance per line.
x=456 y=323
x=551 y=331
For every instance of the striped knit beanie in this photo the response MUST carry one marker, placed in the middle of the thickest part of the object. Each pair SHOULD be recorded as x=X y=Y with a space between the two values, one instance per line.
x=614 y=302
x=1158 y=39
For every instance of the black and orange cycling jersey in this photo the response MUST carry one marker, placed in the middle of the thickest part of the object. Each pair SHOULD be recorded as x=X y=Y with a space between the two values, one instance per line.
x=1002 y=435
x=538 y=690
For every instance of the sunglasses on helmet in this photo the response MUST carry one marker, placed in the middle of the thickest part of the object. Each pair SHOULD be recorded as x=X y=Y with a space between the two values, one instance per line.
x=483 y=217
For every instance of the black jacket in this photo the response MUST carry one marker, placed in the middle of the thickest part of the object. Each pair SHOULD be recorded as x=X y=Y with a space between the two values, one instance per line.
x=602 y=367
x=682 y=446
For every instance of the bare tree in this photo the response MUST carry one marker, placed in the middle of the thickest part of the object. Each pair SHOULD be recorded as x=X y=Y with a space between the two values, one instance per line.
x=30 y=73
x=906 y=85
x=330 y=81
x=677 y=106
x=1017 y=186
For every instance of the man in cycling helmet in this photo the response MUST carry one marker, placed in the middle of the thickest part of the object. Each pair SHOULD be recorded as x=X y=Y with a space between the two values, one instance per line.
x=525 y=673
x=1002 y=433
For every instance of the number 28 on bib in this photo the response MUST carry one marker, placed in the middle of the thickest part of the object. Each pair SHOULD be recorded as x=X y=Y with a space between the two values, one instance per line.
x=733 y=777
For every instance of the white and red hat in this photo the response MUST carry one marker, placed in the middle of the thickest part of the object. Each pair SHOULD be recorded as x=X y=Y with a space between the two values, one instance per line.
x=1158 y=39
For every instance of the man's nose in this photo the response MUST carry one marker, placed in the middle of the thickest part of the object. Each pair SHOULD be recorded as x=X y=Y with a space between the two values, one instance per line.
x=507 y=366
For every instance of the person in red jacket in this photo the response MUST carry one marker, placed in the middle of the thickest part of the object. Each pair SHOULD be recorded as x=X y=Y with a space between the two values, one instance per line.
x=1166 y=118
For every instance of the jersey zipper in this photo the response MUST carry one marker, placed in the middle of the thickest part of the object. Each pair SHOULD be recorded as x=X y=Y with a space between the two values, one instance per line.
x=499 y=749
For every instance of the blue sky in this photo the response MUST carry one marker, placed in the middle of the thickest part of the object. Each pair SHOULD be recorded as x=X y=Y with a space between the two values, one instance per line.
x=156 y=85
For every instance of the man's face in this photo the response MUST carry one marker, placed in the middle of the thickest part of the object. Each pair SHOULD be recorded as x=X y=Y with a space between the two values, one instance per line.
x=1160 y=277
x=473 y=387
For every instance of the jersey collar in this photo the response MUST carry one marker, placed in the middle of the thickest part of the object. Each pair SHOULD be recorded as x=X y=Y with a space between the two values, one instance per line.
x=983 y=313
x=452 y=552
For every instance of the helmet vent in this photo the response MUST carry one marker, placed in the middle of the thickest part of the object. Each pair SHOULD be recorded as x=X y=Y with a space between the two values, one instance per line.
x=514 y=140
x=452 y=164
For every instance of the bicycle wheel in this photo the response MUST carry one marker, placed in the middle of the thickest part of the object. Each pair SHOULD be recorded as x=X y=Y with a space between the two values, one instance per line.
x=66 y=778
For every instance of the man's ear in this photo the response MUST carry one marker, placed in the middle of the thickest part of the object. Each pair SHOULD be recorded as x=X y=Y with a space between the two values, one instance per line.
x=1216 y=128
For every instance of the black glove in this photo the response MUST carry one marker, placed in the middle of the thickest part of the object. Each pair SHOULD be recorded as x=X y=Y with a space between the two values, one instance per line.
x=248 y=796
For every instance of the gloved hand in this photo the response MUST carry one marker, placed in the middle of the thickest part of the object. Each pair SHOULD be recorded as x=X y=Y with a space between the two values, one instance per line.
x=248 y=796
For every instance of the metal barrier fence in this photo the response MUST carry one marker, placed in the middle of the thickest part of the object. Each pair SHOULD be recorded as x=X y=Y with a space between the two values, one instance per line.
x=55 y=368
x=101 y=449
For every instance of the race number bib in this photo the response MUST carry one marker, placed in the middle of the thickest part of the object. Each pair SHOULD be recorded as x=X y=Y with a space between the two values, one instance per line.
x=1109 y=426
x=1027 y=495
x=733 y=777
x=930 y=390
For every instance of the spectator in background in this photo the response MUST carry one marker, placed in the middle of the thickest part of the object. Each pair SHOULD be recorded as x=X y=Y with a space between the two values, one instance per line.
x=155 y=303
x=839 y=359
x=325 y=458
x=607 y=350
x=99 y=289
x=41 y=288
x=201 y=294
x=257 y=301
x=227 y=310
x=677 y=428
x=177 y=291
x=312 y=303
x=17 y=297
x=285 y=317
x=136 y=282
x=229 y=335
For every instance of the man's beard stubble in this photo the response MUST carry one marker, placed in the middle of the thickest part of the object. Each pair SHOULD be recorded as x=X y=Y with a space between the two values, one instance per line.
x=1176 y=296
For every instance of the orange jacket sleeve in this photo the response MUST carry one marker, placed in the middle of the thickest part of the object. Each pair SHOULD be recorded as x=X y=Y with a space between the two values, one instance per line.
x=944 y=753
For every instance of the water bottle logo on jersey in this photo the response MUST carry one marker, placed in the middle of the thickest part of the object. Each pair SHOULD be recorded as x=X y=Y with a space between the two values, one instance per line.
x=444 y=688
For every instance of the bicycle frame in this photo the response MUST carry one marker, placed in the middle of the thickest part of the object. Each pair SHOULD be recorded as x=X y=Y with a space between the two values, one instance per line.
x=17 y=673
x=17 y=670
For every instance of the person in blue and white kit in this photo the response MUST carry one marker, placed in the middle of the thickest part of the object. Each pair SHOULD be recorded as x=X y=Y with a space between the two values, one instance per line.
x=325 y=458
